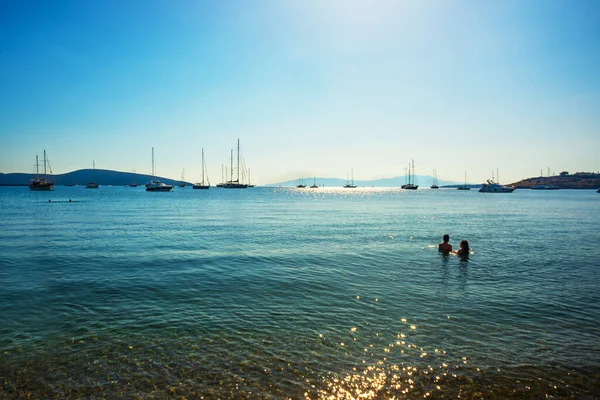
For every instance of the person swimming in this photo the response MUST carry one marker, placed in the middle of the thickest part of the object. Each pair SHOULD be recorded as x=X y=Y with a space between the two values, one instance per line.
x=464 y=249
x=445 y=247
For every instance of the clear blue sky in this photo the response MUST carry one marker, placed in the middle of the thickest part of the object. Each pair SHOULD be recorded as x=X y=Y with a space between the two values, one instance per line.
x=308 y=86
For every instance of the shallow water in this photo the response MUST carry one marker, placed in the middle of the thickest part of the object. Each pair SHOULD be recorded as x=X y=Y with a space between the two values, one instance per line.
x=270 y=292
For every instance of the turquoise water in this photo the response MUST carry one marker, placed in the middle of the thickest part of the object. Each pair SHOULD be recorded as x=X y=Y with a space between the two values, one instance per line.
x=270 y=292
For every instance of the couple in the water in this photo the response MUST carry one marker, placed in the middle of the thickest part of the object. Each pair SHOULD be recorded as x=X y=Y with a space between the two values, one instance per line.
x=446 y=248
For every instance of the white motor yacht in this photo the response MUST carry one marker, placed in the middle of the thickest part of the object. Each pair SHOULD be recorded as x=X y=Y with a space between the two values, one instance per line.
x=493 y=187
x=155 y=185
x=158 y=186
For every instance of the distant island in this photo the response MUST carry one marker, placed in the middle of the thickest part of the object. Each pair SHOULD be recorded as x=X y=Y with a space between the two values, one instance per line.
x=83 y=176
x=578 y=180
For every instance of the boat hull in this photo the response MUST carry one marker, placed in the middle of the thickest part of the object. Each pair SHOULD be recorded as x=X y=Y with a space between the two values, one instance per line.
x=159 y=189
x=203 y=187
x=496 y=190
x=41 y=186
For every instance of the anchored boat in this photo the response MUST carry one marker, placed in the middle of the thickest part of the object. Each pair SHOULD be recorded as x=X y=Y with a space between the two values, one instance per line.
x=237 y=184
x=202 y=184
x=411 y=185
x=41 y=183
x=156 y=185
x=493 y=187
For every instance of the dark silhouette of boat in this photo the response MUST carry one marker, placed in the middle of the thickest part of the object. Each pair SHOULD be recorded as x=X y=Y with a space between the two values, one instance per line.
x=38 y=183
x=202 y=184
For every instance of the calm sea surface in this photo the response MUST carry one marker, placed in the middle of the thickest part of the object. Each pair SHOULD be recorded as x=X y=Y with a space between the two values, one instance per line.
x=313 y=293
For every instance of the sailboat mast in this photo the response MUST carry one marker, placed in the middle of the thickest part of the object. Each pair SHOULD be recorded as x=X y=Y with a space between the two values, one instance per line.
x=153 y=161
x=231 y=165
x=238 y=162
x=37 y=168
x=45 y=175
x=202 y=167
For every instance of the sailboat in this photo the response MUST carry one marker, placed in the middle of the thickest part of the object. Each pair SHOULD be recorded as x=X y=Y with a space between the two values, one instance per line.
x=155 y=185
x=182 y=184
x=37 y=183
x=202 y=185
x=350 y=184
x=411 y=178
x=93 y=185
x=301 y=185
x=223 y=174
x=314 y=185
x=434 y=185
x=231 y=184
x=464 y=187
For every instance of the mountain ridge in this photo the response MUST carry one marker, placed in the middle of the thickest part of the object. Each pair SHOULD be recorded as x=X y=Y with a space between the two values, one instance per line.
x=84 y=176
x=424 y=181
x=119 y=178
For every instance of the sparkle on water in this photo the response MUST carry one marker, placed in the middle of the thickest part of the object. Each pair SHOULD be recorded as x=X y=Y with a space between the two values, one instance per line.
x=289 y=293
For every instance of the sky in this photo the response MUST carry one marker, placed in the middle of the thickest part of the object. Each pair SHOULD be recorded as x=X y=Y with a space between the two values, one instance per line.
x=310 y=87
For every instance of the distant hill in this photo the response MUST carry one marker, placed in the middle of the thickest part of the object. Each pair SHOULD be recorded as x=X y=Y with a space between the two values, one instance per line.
x=84 y=176
x=422 y=181
x=578 y=180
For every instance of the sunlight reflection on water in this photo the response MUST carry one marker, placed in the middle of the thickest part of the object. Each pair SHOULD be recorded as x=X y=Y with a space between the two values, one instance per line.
x=329 y=293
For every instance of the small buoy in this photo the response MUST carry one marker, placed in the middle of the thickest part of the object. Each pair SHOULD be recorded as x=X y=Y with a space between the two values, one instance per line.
x=49 y=201
x=69 y=200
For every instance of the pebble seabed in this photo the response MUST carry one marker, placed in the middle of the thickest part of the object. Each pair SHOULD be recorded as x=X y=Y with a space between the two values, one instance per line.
x=193 y=369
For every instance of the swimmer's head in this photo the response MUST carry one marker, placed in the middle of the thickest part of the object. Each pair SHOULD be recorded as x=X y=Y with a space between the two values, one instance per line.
x=464 y=245
x=446 y=238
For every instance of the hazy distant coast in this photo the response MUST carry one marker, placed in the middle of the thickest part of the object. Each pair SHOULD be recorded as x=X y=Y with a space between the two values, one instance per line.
x=117 y=178
x=578 y=180
x=423 y=181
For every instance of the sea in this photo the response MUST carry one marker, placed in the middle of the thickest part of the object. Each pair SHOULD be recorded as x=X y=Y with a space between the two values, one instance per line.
x=327 y=293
